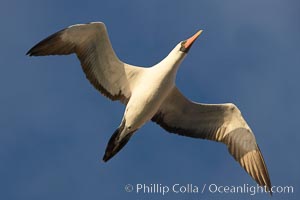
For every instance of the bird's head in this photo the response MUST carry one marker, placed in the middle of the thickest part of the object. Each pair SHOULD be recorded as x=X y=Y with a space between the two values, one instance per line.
x=177 y=55
x=182 y=48
x=186 y=44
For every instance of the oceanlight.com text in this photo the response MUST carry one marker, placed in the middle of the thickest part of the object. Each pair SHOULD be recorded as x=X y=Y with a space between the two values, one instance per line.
x=163 y=189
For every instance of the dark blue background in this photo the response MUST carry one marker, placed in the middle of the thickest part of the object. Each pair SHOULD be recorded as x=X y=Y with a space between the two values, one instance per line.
x=54 y=126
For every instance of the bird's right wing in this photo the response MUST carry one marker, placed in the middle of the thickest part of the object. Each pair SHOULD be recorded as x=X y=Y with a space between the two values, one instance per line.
x=219 y=122
x=91 y=43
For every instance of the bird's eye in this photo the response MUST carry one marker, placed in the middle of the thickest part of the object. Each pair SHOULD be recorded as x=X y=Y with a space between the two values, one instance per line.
x=182 y=48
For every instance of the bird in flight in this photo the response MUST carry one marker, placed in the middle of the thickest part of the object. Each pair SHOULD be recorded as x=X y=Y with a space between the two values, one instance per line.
x=151 y=94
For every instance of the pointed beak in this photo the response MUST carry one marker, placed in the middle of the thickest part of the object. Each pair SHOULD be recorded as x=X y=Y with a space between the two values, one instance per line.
x=191 y=40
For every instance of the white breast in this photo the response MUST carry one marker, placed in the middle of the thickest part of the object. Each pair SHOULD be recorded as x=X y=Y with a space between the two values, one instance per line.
x=151 y=90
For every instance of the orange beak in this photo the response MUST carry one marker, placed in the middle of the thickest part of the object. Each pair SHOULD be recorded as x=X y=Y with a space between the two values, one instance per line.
x=192 y=39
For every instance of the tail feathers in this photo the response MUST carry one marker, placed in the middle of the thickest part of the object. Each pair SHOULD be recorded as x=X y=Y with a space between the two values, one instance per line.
x=52 y=45
x=115 y=144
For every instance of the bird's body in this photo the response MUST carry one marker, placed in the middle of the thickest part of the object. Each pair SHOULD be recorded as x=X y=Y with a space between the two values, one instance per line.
x=154 y=85
x=151 y=94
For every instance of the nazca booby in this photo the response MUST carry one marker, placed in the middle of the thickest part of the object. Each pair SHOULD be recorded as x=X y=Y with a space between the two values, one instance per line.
x=151 y=94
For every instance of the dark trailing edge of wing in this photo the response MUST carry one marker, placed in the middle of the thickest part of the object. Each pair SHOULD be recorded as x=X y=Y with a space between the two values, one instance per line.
x=159 y=119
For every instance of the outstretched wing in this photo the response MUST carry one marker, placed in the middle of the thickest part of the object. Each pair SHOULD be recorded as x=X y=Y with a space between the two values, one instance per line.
x=219 y=122
x=91 y=43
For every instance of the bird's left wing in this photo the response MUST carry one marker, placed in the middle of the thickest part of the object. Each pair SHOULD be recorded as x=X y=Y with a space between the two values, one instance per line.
x=219 y=122
x=90 y=42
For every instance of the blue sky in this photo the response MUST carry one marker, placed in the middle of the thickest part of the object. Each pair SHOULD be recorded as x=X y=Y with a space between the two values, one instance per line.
x=54 y=126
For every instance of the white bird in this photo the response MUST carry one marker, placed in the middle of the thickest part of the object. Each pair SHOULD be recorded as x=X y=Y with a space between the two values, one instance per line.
x=151 y=94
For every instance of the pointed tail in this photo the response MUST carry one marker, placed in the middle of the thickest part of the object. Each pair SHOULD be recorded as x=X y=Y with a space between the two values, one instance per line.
x=116 y=142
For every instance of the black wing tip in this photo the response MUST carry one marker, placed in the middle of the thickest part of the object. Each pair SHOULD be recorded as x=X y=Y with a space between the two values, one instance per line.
x=265 y=181
x=106 y=158
x=269 y=187
x=45 y=46
x=270 y=191
x=30 y=52
x=48 y=46
x=268 y=183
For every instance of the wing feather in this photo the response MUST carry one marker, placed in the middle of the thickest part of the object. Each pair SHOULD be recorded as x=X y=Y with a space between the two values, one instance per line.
x=218 y=122
x=90 y=42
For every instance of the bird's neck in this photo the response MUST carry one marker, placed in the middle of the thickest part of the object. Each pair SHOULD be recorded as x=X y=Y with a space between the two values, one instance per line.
x=171 y=63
